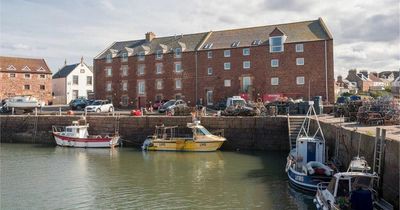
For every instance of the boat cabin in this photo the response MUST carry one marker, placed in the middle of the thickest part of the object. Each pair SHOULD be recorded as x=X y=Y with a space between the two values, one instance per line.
x=193 y=131
x=309 y=149
x=76 y=130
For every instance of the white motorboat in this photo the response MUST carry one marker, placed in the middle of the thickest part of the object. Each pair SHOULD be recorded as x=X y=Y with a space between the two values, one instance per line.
x=25 y=102
x=76 y=135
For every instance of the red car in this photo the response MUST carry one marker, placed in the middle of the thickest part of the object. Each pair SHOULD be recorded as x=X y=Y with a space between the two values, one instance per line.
x=157 y=104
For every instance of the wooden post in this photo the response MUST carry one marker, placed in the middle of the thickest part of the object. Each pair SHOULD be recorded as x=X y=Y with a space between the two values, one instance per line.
x=59 y=110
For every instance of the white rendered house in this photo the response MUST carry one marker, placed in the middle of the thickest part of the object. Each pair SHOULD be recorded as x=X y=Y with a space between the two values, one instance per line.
x=71 y=82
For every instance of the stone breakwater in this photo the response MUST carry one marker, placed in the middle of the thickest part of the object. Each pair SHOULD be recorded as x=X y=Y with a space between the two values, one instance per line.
x=243 y=133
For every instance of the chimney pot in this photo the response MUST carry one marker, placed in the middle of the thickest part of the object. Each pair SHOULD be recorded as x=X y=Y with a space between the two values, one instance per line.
x=150 y=36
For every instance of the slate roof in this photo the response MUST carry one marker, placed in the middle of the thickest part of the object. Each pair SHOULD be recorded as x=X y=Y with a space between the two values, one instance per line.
x=66 y=70
x=313 y=30
x=28 y=65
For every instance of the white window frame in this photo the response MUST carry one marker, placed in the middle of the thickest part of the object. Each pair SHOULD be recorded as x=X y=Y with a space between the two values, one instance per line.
x=141 y=87
x=141 y=56
x=209 y=98
x=275 y=48
x=227 y=53
x=30 y=76
x=91 y=80
x=159 y=54
x=178 y=52
x=227 y=66
x=109 y=58
x=178 y=70
x=108 y=71
x=29 y=87
x=299 y=47
x=141 y=69
x=227 y=83
x=26 y=68
x=40 y=87
x=178 y=84
x=209 y=54
x=40 y=76
x=124 y=70
x=274 y=81
x=11 y=68
x=209 y=71
x=300 y=80
x=15 y=75
x=159 y=84
x=108 y=86
x=247 y=78
x=246 y=51
x=124 y=57
x=246 y=65
x=125 y=85
x=159 y=68
x=273 y=64
x=300 y=61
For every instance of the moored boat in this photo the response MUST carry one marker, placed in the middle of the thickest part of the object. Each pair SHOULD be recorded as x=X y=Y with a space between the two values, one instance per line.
x=305 y=165
x=25 y=102
x=198 y=138
x=76 y=135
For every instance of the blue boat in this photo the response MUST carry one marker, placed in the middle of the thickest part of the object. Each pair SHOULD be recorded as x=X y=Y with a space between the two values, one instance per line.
x=305 y=163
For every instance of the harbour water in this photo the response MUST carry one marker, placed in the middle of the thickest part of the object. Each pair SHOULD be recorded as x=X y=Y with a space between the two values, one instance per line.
x=45 y=177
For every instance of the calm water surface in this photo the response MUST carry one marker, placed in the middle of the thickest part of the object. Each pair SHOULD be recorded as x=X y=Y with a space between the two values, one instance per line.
x=41 y=177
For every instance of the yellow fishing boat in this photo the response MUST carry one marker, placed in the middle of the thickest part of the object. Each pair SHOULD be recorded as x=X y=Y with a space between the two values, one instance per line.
x=194 y=138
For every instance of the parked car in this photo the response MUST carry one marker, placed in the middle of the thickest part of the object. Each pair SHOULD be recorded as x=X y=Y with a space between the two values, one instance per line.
x=171 y=104
x=78 y=104
x=158 y=104
x=235 y=100
x=100 y=106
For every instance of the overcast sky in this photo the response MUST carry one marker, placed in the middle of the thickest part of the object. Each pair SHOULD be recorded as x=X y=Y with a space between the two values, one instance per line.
x=366 y=32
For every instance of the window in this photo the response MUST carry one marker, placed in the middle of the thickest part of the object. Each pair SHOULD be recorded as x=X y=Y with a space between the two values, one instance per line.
x=209 y=54
x=246 y=51
x=124 y=57
x=246 y=64
x=159 y=54
x=75 y=80
x=82 y=70
x=178 y=84
x=209 y=97
x=108 y=86
x=42 y=76
x=27 y=76
x=12 y=75
x=141 y=56
x=178 y=52
x=108 y=58
x=300 y=80
x=209 y=71
x=159 y=84
x=299 y=61
x=108 y=71
x=178 y=67
x=125 y=100
x=276 y=44
x=274 y=81
x=141 y=69
x=299 y=48
x=227 y=83
x=41 y=69
x=246 y=83
x=208 y=46
x=11 y=68
x=124 y=85
x=27 y=87
x=89 y=80
x=227 y=53
x=274 y=63
x=159 y=67
x=42 y=87
x=124 y=70
x=141 y=87
x=256 y=42
x=235 y=44
x=227 y=66
x=26 y=68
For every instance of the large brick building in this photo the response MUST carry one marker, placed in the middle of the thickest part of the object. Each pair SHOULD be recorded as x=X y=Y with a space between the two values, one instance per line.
x=25 y=76
x=294 y=60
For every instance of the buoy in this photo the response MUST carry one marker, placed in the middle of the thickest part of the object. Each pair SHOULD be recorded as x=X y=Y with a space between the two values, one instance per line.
x=70 y=112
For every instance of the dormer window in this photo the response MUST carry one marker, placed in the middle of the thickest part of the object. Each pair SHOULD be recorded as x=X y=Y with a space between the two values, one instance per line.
x=11 y=68
x=159 y=54
x=276 y=44
x=41 y=69
x=26 y=68
x=108 y=58
x=235 y=44
x=141 y=56
x=208 y=46
x=256 y=42
x=178 y=52
x=124 y=57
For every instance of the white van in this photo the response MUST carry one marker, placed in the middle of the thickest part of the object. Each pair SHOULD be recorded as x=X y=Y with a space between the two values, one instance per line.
x=235 y=100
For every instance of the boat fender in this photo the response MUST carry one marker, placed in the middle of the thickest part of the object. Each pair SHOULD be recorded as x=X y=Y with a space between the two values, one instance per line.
x=288 y=164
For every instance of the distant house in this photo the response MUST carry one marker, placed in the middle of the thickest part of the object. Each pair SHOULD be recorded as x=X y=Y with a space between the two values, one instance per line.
x=345 y=86
x=365 y=81
x=25 y=76
x=72 y=81
x=388 y=77
x=396 y=87
x=377 y=83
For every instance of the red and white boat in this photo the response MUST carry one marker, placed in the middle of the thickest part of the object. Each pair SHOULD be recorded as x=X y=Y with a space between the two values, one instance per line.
x=76 y=135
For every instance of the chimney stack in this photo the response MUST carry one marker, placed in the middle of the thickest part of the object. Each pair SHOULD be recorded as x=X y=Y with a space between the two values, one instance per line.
x=65 y=62
x=81 y=60
x=150 y=36
x=339 y=78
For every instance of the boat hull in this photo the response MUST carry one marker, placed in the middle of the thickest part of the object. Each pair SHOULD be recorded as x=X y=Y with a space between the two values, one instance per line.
x=185 y=145
x=100 y=142
x=304 y=181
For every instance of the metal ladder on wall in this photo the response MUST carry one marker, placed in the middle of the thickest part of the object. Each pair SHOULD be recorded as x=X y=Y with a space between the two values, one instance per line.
x=294 y=126
x=379 y=155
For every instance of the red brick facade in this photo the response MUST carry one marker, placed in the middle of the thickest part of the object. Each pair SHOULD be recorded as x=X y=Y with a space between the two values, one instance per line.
x=25 y=76
x=196 y=81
